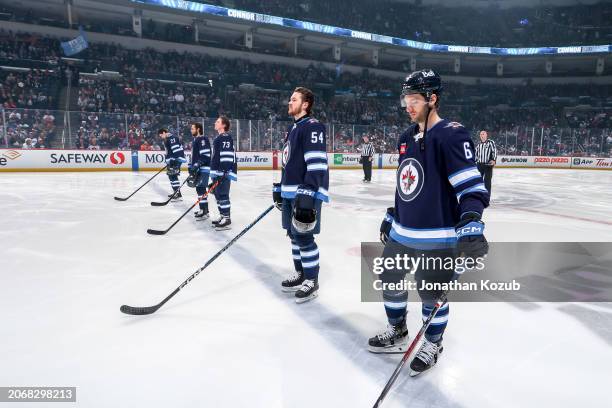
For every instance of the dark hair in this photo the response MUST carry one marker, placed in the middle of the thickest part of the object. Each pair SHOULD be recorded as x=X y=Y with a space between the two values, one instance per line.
x=307 y=96
x=226 y=122
x=162 y=130
x=199 y=127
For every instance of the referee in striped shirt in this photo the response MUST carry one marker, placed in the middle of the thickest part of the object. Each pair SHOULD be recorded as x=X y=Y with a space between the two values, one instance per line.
x=367 y=154
x=486 y=155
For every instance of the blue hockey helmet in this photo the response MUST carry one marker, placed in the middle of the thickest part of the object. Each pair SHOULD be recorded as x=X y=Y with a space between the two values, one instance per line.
x=425 y=82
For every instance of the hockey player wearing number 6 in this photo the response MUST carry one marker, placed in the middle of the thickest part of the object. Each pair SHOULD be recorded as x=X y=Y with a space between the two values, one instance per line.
x=303 y=188
x=439 y=201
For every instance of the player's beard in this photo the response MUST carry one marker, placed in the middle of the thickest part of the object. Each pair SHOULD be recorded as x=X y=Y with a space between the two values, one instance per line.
x=421 y=116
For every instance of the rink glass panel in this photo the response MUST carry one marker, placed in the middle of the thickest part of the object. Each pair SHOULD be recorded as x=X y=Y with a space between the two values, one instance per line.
x=76 y=130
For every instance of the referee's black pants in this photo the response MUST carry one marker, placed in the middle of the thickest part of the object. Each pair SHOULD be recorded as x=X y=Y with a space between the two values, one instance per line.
x=486 y=171
x=367 y=168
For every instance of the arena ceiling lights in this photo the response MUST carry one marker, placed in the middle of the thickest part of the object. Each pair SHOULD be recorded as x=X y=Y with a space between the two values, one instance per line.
x=377 y=38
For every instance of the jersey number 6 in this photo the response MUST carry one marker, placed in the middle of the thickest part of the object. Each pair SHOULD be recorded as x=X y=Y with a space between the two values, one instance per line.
x=468 y=151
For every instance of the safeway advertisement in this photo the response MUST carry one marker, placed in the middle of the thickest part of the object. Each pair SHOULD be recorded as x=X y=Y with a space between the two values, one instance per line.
x=49 y=160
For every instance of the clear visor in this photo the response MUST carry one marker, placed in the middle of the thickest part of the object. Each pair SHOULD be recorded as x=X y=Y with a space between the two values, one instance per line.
x=413 y=100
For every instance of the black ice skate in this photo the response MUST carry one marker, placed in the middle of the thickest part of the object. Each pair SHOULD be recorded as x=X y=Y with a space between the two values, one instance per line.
x=309 y=290
x=426 y=358
x=201 y=215
x=176 y=197
x=294 y=283
x=393 y=340
x=224 y=223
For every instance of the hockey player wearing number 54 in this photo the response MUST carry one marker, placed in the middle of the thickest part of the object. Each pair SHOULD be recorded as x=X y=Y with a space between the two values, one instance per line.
x=439 y=201
x=303 y=188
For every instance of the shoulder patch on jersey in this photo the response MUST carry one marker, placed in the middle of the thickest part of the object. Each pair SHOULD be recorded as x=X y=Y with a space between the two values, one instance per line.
x=313 y=120
x=402 y=148
x=454 y=125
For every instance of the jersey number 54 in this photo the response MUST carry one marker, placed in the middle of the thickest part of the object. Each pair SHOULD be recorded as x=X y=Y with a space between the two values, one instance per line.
x=316 y=137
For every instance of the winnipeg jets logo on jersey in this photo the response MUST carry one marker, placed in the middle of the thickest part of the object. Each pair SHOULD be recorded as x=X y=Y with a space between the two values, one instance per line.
x=286 y=151
x=418 y=136
x=410 y=179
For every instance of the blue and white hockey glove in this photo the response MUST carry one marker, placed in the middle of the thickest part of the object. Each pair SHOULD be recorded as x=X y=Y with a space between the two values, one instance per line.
x=471 y=241
x=276 y=196
x=304 y=217
x=385 y=226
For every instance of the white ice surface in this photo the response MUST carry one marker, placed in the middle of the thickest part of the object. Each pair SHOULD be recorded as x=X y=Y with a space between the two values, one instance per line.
x=70 y=255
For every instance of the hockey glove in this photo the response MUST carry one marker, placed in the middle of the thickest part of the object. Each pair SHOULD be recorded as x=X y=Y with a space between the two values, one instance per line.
x=174 y=168
x=385 y=226
x=191 y=181
x=471 y=241
x=194 y=169
x=304 y=213
x=276 y=196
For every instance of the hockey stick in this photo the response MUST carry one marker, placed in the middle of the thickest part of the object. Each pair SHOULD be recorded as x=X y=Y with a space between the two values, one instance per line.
x=128 y=197
x=133 y=310
x=156 y=204
x=160 y=232
x=415 y=341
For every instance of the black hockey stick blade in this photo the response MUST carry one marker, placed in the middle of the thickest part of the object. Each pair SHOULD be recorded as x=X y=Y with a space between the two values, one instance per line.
x=138 y=311
x=152 y=309
x=158 y=204
x=138 y=189
x=156 y=232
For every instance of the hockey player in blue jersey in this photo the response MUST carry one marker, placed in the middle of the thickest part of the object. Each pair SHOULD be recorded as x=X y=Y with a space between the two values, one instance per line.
x=439 y=201
x=303 y=188
x=175 y=157
x=223 y=167
x=199 y=168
